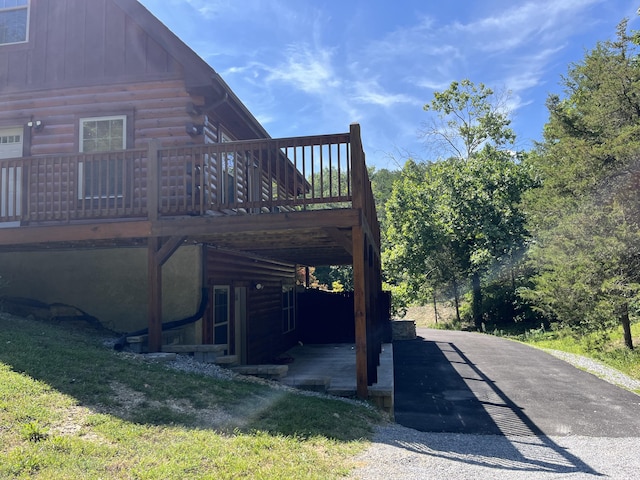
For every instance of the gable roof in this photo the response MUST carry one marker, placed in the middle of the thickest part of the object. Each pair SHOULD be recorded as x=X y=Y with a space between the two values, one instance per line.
x=200 y=77
x=75 y=43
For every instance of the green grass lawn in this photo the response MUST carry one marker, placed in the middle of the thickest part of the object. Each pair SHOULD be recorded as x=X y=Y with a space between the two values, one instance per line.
x=72 y=408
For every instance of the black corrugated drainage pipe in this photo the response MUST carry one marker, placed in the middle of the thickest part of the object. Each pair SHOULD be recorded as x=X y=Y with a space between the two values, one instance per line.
x=122 y=341
x=204 y=300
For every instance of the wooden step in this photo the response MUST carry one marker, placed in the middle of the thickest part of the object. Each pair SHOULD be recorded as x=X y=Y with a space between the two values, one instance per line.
x=194 y=348
x=264 y=371
x=226 y=360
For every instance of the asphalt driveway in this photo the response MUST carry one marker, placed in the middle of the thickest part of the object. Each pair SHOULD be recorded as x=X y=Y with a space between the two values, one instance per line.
x=464 y=382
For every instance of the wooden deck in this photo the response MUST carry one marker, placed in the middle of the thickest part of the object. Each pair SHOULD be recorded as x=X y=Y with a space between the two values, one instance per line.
x=304 y=200
x=312 y=189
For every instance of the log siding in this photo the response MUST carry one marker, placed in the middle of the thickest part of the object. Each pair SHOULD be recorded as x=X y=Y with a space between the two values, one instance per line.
x=79 y=43
x=265 y=338
x=154 y=110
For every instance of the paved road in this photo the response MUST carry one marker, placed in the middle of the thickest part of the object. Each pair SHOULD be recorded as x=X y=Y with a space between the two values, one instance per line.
x=463 y=382
x=481 y=407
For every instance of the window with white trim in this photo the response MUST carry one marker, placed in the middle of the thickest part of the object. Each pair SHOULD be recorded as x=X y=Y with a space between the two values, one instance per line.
x=102 y=177
x=221 y=315
x=14 y=21
x=288 y=308
x=11 y=142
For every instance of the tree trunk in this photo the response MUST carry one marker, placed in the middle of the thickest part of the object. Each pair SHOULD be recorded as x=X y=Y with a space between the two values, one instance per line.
x=456 y=298
x=626 y=325
x=512 y=300
x=477 y=300
x=435 y=306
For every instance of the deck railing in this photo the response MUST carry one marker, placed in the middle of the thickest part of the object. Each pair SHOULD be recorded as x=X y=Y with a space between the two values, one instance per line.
x=233 y=178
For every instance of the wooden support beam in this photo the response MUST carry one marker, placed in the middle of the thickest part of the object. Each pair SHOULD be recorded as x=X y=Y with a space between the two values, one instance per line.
x=368 y=232
x=78 y=232
x=360 y=312
x=341 y=238
x=154 y=274
x=169 y=248
x=157 y=255
x=290 y=221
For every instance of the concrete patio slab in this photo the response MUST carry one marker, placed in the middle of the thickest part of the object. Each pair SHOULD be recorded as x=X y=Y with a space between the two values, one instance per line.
x=331 y=368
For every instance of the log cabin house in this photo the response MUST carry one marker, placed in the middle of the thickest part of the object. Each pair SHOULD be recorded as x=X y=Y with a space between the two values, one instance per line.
x=136 y=186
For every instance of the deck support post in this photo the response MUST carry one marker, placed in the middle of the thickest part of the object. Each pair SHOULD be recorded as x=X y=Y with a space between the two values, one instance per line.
x=360 y=312
x=154 y=282
x=157 y=255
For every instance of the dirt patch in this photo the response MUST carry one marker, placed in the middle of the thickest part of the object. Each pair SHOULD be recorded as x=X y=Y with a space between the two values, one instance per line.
x=424 y=316
x=130 y=400
x=73 y=424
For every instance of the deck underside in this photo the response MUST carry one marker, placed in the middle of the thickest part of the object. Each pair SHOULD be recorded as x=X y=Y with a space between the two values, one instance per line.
x=322 y=237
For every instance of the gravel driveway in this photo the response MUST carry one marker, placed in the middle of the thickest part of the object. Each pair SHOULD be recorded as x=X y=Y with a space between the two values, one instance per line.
x=535 y=417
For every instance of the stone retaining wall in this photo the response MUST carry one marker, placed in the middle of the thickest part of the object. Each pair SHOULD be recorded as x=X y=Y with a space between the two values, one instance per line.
x=403 y=329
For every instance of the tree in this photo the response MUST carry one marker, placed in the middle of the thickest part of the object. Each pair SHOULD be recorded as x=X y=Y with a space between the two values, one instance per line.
x=418 y=258
x=584 y=285
x=453 y=219
x=382 y=186
x=585 y=215
x=468 y=117
x=468 y=216
x=331 y=274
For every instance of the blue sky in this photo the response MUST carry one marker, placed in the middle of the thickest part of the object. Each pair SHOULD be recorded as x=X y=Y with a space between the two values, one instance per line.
x=308 y=67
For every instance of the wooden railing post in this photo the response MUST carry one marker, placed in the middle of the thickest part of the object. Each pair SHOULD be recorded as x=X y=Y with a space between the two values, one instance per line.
x=358 y=168
x=153 y=180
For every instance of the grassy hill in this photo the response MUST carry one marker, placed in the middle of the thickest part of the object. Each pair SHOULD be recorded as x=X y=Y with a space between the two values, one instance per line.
x=70 y=407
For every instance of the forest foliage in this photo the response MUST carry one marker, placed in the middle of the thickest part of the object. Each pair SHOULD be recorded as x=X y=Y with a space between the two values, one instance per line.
x=551 y=235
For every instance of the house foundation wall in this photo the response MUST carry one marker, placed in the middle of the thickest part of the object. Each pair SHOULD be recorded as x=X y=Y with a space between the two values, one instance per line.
x=109 y=284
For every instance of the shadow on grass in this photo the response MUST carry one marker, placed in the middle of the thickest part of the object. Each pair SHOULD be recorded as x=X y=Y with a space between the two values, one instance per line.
x=74 y=360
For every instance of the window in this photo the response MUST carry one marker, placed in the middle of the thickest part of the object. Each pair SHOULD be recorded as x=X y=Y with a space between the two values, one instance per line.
x=229 y=165
x=14 y=21
x=103 y=134
x=11 y=142
x=240 y=181
x=288 y=308
x=102 y=177
x=221 y=315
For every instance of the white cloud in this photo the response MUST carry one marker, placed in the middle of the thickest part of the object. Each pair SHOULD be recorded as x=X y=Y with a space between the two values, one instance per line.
x=429 y=84
x=308 y=70
x=526 y=23
x=211 y=8
x=370 y=92
x=265 y=119
x=530 y=70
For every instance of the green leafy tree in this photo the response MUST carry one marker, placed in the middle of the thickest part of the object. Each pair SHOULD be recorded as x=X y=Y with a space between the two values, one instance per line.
x=382 y=186
x=328 y=275
x=587 y=277
x=418 y=259
x=455 y=218
x=585 y=215
x=467 y=118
